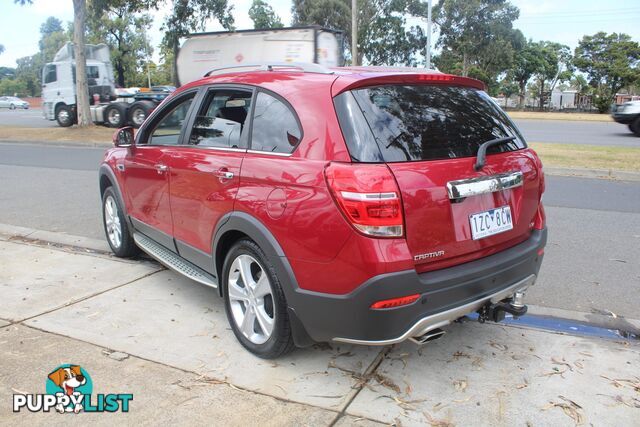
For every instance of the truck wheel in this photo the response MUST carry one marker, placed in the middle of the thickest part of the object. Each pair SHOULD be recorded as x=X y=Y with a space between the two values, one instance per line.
x=139 y=111
x=635 y=126
x=255 y=302
x=64 y=116
x=115 y=115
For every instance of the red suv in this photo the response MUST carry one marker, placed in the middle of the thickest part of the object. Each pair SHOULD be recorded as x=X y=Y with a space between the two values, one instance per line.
x=359 y=205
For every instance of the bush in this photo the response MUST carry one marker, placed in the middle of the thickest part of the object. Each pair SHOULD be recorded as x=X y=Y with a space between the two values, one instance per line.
x=11 y=87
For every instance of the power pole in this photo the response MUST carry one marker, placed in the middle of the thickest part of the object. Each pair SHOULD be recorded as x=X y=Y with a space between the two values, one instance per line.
x=354 y=32
x=428 y=61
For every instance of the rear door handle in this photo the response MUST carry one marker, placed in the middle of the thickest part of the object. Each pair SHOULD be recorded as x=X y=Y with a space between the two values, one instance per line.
x=161 y=168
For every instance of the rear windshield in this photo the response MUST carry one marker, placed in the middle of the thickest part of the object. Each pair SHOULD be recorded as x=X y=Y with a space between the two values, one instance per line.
x=394 y=123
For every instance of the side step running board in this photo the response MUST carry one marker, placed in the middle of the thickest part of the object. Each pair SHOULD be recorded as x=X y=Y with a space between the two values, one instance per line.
x=174 y=261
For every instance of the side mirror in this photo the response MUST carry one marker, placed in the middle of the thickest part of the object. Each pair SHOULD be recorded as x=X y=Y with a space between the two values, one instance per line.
x=124 y=137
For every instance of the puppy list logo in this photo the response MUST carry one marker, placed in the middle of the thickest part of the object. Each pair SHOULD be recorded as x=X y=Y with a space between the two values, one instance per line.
x=69 y=389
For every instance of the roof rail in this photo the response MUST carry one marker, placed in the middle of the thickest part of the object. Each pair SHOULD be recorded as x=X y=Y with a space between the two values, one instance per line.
x=306 y=67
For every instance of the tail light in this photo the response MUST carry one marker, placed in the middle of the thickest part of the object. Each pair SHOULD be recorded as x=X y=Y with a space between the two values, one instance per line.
x=368 y=196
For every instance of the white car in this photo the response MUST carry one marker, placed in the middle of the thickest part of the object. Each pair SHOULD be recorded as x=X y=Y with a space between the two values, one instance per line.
x=13 y=102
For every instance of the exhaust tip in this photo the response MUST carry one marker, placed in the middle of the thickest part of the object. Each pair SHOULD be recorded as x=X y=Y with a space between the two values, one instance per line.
x=431 y=335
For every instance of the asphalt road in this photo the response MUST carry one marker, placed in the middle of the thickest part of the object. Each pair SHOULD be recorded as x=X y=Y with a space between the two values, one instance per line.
x=559 y=131
x=578 y=132
x=592 y=260
x=25 y=118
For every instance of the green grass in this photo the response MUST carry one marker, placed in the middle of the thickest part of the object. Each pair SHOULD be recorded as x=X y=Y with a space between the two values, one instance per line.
x=588 y=156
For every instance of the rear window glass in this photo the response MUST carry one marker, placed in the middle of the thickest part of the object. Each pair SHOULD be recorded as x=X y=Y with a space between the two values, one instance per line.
x=396 y=123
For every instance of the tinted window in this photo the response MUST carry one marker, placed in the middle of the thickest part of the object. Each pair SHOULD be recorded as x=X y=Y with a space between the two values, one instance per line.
x=167 y=129
x=221 y=120
x=421 y=122
x=275 y=128
x=50 y=73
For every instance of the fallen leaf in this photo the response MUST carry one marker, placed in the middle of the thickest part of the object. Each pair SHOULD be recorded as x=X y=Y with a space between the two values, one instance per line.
x=498 y=346
x=562 y=362
x=434 y=422
x=460 y=385
x=569 y=407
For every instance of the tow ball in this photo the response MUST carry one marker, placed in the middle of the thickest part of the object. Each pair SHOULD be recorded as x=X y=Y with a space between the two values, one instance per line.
x=496 y=311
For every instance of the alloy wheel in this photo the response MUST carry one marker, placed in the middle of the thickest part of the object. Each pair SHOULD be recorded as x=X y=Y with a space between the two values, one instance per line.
x=112 y=222
x=251 y=299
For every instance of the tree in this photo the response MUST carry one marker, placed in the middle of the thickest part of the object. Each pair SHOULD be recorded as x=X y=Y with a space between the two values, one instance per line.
x=263 y=15
x=28 y=72
x=117 y=23
x=554 y=66
x=188 y=16
x=477 y=38
x=7 y=73
x=508 y=87
x=383 y=36
x=50 y=26
x=610 y=61
x=527 y=62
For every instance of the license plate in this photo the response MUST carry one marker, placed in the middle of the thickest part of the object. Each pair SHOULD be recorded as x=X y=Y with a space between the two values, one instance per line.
x=491 y=222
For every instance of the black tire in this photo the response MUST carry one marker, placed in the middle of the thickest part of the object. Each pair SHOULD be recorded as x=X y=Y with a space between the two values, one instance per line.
x=115 y=115
x=635 y=126
x=280 y=342
x=12 y=107
x=139 y=111
x=127 y=247
x=65 y=116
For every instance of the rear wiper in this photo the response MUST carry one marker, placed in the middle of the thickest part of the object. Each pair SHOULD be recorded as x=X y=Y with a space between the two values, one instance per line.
x=482 y=151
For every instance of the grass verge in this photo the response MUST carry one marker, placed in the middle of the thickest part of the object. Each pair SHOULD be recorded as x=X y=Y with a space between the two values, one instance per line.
x=537 y=115
x=94 y=135
x=588 y=156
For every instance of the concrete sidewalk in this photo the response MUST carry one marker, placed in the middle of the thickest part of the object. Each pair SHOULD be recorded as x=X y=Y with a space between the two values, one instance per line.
x=138 y=328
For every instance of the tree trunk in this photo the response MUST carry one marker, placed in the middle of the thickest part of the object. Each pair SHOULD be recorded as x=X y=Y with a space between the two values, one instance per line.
x=541 y=95
x=464 y=64
x=120 y=72
x=174 y=64
x=521 y=95
x=82 y=86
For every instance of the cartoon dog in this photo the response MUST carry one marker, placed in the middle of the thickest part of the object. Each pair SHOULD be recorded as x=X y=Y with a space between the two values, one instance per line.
x=68 y=379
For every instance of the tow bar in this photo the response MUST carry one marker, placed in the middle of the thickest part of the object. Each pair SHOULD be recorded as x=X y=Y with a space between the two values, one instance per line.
x=495 y=312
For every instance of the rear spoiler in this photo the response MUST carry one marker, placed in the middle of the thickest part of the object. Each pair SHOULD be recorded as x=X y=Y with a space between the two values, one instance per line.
x=347 y=82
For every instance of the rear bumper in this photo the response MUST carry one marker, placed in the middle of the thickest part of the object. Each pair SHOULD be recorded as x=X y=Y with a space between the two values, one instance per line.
x=446 y=295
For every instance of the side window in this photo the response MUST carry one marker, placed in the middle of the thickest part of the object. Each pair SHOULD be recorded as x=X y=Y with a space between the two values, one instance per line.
x=167 y=130
x=221 y=119
x=275 y=128
x=50 y=74
x=93 y=72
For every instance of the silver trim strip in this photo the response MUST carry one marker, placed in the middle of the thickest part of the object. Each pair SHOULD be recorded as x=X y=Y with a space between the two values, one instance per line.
x=483 y=184
x=270 y=153
x=438 y=320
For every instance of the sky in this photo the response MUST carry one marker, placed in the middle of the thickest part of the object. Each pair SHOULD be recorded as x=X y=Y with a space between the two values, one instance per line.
x=563 y=21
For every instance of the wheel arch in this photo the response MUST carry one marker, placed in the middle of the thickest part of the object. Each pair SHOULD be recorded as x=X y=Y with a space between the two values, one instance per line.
x=237 y=225
x=107 y=178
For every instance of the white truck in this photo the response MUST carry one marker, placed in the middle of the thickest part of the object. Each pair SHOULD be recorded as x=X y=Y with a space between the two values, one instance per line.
x=59 y=91
x=201 y=53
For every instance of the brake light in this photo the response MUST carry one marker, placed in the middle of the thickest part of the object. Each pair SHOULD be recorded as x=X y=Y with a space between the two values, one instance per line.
x=395 y=302
x=368 y=196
